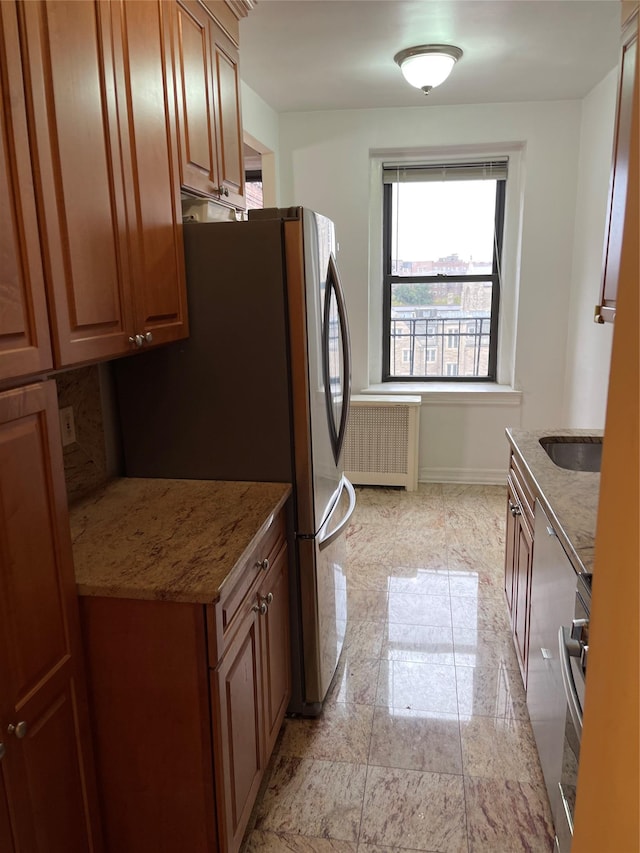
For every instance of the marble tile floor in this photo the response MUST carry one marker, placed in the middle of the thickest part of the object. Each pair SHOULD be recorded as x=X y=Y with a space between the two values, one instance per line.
x=424 y=743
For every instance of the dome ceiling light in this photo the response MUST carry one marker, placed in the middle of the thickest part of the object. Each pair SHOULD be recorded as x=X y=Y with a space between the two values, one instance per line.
x=427 y=65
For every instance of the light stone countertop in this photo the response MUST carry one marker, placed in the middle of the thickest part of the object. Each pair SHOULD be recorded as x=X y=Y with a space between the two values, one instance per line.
x=173 y=540
x=570 y=498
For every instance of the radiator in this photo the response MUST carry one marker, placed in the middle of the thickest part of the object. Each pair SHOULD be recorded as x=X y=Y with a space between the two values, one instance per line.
x=381 y=441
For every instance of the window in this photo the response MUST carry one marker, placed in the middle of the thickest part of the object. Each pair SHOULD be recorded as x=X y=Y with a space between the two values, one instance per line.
x=253 y=189
x=443 y=229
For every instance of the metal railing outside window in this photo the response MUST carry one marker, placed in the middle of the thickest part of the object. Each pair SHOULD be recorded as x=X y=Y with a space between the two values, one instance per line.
x=427 y=343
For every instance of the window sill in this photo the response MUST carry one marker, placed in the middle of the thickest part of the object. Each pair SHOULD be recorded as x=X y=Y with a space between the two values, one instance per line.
x=452 y=393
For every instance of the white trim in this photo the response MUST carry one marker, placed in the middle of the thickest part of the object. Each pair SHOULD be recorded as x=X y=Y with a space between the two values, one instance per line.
x=510 y=247
x=481 y=476
x=452 y=393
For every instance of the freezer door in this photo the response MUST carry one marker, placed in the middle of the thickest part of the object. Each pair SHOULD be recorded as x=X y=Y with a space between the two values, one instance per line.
x=323 y=598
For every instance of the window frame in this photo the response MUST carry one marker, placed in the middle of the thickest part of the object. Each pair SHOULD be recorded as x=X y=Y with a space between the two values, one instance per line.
x=389 y=279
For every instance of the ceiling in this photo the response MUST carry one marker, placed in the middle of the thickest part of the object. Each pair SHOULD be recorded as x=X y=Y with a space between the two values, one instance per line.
x=303 y=55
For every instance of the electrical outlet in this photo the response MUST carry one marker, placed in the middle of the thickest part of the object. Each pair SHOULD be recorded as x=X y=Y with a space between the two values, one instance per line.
x=67 y=426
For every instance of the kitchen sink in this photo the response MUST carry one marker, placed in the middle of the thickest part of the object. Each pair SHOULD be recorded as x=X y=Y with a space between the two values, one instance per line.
x=575 y=454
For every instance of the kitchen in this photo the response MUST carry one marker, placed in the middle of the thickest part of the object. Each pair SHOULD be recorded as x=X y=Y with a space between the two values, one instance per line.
x=563 y=132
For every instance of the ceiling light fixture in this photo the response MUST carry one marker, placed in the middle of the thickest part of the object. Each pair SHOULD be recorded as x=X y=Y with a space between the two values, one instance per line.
x=427 y=65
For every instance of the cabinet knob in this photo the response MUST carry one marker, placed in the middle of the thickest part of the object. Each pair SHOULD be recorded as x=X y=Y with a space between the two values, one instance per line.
x=514 y=509
x=148 y=338
x=19 y=729
x=260 y=608
x=136 y=340
x=3 y=749
x=222 y=190
x=262 y=564
x=269 y=598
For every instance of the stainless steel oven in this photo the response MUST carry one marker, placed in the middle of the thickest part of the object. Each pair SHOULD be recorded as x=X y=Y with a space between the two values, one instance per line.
x=573 y=642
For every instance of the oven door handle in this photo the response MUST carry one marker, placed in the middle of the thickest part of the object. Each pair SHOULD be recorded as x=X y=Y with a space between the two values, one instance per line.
x=575 y=709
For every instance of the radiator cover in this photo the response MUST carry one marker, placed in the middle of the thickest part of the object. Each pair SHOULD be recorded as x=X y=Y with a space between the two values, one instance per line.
x=381 y=442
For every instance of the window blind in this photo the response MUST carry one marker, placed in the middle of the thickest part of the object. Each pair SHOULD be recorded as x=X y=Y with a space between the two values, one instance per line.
x=478 y=170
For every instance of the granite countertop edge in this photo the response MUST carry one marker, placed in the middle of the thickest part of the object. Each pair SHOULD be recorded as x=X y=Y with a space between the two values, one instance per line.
x=569 y=498
x=125 y=547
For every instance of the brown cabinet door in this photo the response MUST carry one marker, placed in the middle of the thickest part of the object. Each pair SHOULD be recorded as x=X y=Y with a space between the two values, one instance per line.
x=226 y=88
x=80 y=182
x=146 y=101
x=6 y=836
x=276 y=654
x=194 y=97
x=510 y=547
x=524 y=550
x=24 y=329
x=618 y=183
x=236 y=687
x=47 y=768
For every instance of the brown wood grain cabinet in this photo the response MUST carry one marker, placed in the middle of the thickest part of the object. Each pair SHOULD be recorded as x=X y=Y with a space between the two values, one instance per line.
x=519 y=560
x=100 y=102
x=47 y=789
x=187 y=700
x=24 y=327
x=618 y=182
x=208 y=98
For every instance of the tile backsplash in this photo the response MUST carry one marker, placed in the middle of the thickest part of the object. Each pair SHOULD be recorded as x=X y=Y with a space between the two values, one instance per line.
x=85 y=460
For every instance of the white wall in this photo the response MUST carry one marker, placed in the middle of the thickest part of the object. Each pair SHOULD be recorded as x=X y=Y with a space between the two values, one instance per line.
x=261 y=123
x=589 y=344
x=325 y=164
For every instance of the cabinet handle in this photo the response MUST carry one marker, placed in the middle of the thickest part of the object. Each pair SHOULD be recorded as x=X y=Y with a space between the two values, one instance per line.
x=514 y=509
x=268 y=598
x=262 y=564
x=3 y=749
x=148 y=338
x=260 y=608
x=136 y=340
x=19 y=730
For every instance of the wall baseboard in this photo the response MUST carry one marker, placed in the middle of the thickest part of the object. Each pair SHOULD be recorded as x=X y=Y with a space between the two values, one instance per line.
x=482 y=476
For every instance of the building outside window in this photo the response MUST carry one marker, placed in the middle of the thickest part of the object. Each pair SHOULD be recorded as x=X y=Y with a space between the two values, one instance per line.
x=443 y=228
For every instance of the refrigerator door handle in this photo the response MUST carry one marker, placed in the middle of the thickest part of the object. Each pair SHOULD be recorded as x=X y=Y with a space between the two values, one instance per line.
x=324 y=538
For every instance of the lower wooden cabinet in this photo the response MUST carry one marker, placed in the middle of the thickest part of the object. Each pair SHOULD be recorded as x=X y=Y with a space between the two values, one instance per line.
x=518 y=562
x=187 y=700
x=47 y=787
x=250 y=689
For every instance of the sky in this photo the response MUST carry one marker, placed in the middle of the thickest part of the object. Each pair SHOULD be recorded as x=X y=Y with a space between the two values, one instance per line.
x=437 y=219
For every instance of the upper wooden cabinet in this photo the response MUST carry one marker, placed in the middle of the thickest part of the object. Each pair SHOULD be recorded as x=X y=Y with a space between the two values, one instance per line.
x=208 y=99
x=47 y=791
x=101 y=103
x=149 y=147
x=24 y=330
x=618 y=183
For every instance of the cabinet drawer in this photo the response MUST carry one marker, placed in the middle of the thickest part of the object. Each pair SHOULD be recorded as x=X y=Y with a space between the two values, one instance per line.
x=523 y=490
x=226 y=614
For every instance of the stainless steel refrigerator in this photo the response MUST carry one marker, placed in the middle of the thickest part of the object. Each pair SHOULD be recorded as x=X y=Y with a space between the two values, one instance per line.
x=260 y=391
